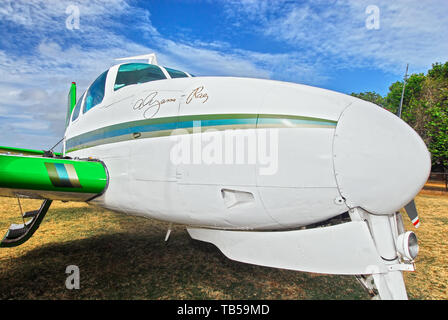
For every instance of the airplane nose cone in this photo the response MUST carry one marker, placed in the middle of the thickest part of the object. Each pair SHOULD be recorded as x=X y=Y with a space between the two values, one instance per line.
x=380 y=162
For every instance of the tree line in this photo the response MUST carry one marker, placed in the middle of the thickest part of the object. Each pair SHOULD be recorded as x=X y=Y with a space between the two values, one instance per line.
x=425 y=108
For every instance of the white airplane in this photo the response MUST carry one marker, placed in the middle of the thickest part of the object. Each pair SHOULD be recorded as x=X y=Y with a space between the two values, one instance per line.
x=273 y=173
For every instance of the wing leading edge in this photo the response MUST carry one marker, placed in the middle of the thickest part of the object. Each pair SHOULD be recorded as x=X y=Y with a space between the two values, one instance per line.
x=51 y=178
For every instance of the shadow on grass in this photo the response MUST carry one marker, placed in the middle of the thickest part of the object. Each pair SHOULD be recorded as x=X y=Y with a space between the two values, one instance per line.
x=72 y=213
x=139 y=265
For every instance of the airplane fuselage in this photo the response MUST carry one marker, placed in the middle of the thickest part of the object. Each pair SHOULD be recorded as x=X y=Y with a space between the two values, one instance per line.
x=240 y=153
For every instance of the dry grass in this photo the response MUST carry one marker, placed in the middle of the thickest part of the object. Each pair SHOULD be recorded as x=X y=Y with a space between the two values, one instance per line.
x=430 y=280
x=123 y=257
x=435 y=185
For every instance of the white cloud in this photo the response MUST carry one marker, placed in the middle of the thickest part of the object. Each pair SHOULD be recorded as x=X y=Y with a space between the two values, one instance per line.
x=30 y=125
x=335 y=31
x=44 y=14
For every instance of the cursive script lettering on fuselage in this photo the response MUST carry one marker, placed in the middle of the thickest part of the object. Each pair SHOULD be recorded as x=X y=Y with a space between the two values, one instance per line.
x=150 y=105
x=197 y=93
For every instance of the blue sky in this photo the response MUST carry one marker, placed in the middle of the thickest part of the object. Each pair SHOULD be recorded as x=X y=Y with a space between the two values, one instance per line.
x=320 y=43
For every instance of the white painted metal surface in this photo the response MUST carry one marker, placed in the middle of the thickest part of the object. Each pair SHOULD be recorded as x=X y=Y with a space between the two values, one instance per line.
x=380 y=162
x=342 y=249
x=302 y=190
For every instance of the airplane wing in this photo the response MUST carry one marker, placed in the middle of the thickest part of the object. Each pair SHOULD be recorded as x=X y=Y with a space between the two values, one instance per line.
x=47 y=175
x=54 y=178
x=37 y=174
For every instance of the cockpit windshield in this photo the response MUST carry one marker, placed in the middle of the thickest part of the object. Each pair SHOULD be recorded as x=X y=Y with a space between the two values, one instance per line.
x=175 y=73
x=77 y=108
x=95 y=94
x=127 y=74
x=135 y=73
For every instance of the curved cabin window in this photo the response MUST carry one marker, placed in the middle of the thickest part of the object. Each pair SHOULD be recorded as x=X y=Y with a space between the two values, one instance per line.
x=135 y=73
x=77 y=108
x=176 y=73
x=95 y=94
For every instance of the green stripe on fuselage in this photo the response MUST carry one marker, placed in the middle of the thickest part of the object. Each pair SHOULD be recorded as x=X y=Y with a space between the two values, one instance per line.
x=161 y=127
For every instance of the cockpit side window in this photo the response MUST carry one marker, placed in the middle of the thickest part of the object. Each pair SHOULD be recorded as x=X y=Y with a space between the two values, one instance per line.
x=135 y=73
x=176 y=73
x=77 y=108
x=95 y=94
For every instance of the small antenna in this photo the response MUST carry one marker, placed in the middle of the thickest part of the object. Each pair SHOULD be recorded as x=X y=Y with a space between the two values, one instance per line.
x=152 y=59
x=402 y=93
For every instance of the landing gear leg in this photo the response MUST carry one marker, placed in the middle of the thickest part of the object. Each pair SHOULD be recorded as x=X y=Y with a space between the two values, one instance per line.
x=20 y=233
x=390 y=285
x=385 y=230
